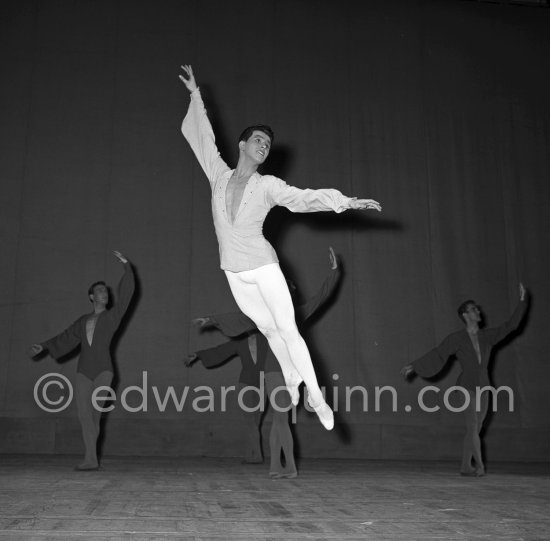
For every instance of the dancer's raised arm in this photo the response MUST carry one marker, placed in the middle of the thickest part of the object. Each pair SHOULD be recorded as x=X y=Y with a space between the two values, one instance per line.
x=497 y=334
x=196 y=128
x=310 y=307
x=126 y=289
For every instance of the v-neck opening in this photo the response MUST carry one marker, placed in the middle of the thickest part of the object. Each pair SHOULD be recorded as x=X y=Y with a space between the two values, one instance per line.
x=231 y=220
x=476 y=351
x=90 y=342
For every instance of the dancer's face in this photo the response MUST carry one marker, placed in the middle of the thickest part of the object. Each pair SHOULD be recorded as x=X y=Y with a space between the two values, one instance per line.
x=473 y=313
x=257 y=147
x=100 y=295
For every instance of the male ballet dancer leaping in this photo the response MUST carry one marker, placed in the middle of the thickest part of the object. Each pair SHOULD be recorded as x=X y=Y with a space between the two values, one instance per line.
x=241 y=199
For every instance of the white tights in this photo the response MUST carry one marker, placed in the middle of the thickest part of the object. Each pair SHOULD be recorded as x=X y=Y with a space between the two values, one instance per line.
x=262 y=294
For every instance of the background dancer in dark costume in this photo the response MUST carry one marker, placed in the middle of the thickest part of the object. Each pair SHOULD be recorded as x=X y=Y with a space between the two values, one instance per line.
x=257 y=357
x=93 y=333
x=472 y=348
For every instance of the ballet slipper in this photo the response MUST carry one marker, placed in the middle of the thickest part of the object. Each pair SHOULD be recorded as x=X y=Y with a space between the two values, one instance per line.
x=87 y=467
x=285 y=475
x=478 y=472
x=324 y=413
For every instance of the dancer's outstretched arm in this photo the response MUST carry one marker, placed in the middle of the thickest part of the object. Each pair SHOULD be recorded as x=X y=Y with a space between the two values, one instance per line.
x=430 y=364
x=232 y=324
x=212 y=357
x=309 y=200
x=60 y=345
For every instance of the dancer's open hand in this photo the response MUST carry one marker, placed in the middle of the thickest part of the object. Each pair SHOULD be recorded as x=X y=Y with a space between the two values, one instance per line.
x=190 y=359
x=120 y=257
x=368 y=204
x=189 y=82
x=332 y=258
x=201 y=322
x=407 y=371
x=35 y=349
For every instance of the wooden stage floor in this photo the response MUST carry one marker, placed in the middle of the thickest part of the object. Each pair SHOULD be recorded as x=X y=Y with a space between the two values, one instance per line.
x=207 y=499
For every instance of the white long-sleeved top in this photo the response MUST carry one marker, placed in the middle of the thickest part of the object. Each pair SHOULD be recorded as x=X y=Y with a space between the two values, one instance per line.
x=241 y=243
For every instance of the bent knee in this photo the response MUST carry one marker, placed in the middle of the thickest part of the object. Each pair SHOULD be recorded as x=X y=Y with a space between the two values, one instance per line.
x=284 y=331
x=269 y=331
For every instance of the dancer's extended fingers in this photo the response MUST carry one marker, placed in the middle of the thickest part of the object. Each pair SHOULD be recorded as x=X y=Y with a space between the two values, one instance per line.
x=372 y=204
x=407 y=371
x=187 y=72
x=367 y=204
x=35 y=349
x=188 y=81
x=199 y=321
x=120 y=257
x=332 y=258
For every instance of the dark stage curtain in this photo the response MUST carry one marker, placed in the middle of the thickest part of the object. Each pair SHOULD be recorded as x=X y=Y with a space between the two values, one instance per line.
x=437 y=109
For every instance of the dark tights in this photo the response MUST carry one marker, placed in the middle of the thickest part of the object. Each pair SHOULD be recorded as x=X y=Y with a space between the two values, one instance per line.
x=89 y=416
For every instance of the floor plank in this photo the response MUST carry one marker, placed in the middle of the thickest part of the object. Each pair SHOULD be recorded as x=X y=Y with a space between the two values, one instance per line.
x=209 y=499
